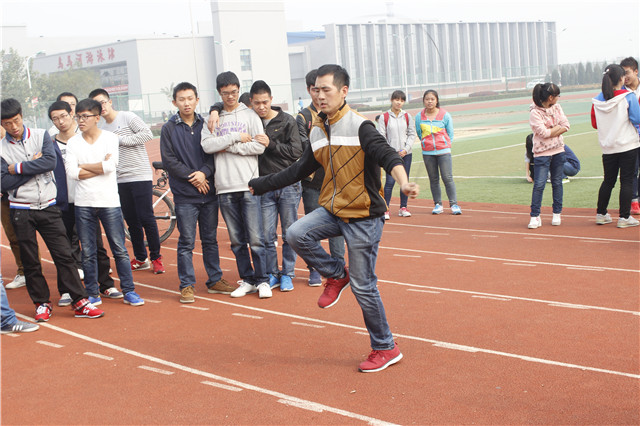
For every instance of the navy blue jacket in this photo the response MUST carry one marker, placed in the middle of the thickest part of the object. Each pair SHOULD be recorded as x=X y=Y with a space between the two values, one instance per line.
x=182 y=155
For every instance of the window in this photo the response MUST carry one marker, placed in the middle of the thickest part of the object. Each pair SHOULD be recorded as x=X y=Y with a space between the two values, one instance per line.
x=245 y=59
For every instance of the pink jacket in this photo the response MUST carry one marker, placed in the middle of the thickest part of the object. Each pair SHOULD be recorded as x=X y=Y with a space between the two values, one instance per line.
x=542 y=120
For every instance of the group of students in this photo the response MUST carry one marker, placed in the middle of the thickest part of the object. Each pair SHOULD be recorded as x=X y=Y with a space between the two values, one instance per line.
x=615 y=113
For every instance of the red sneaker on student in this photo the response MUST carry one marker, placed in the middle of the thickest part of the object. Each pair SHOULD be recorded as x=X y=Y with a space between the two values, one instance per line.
x=333 y=288
x=379 y=360
x=635 y=207
x=158 y=267
x=43 y=312
x=84 y=309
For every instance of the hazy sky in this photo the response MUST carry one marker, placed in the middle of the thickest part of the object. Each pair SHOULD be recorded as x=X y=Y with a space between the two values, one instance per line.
x=587 y=30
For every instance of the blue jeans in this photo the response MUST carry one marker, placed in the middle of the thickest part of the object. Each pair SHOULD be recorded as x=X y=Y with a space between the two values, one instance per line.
x=310 y=198
x=243 y=215
x=390 y=182
x=205 y=217
x=284 y=203
x=7 y=315
x=544 y=164
x=440 y=165
x=362 y=237
x=136 y=199
x=111 y=219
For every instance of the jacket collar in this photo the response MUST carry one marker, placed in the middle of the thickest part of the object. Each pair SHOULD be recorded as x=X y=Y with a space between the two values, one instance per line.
x=344 y=109
x=26 y=134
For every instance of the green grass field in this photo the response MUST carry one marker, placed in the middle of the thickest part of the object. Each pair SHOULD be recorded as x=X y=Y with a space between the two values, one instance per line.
x=490 y=167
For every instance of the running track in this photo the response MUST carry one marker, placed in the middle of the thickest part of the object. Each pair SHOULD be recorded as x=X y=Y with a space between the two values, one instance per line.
x=498 y=324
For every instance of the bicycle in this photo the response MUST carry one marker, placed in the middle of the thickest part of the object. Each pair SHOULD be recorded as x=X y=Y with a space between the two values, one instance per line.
x=163 y=207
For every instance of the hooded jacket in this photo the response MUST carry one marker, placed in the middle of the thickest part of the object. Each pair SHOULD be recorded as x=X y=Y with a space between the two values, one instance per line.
x=542 y=120
x=435 y=135
x=399 y=130
x=617 y=121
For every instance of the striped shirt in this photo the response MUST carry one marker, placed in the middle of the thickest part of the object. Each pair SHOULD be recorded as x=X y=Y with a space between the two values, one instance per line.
x=133 y=133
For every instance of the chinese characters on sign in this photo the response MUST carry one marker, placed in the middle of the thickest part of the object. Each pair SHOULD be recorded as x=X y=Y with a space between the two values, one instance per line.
x=86 y=58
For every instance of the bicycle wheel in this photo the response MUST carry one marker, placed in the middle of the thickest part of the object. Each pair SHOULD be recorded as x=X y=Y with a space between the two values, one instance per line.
x=165 y=213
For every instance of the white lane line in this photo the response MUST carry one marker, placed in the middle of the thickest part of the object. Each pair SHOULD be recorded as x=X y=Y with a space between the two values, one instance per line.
x=436 y=233
x=537 y=238
x=407 y=255
x=583 y=268
x=565 y=305
x=595 y=242
x=304 y=324
x=12 y=334
x=370 y=420
x=45 y=343
x=221 y=386
x=246 y=316
x=423 y=291
x=517 y=264
x=152 y=301
x=155 y=370
x=460 y=260
x=456 y=347
x=99 y=356
x=305 y=406
x=197 y=308
x=484 y=236
x=491 y=297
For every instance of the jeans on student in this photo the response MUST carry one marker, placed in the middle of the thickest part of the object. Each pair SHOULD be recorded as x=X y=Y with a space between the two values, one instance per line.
x=204 y=216
x=440 y=165
x=7 y=315
x=284 y=203
x=390 y=182
x=363 y=238
x=544 y=165
x=635 y=181
x=136 y=199
x=569 y=169
x=242 y=213
x=622 y=162
x=310 y=198
x=86 y=222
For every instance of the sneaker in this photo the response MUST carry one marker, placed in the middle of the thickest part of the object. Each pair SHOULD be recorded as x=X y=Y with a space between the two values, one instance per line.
x=43 y=312
x=379 y=360
x=455 y=209
x=628 y=222
x=285 y=283
x=387 y=216
x=65 y=300
x=556 y=219
x=95 y=300
x=112 y=293
x=19 y=327
x=81 y=274
x=333 y=288
x=186 y=295
x=158 y=267
x=133 y=299
x=438 y=209
x=264 y=290
x=535 y=222
x=602 y=219
x=274 y=281
x=18 y=281
x=565 y=180
x=136 y=265
x=315 y=279
x=222 y=287
x=244 y=288
x=635 y=207
x=403 y=212
x=85 y=309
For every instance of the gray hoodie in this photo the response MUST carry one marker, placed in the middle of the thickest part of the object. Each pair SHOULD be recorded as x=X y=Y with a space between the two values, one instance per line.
x=236 y=162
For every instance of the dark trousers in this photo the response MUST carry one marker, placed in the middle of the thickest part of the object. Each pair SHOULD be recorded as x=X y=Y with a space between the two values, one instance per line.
x=624 y=163
x=48 y=223
x=136 y=199
x=104 y=263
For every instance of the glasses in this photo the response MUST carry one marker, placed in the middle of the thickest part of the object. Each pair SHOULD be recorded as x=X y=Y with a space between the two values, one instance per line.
x=60 y=118
x=103 y=102
x=229 y=94
x=84 y=117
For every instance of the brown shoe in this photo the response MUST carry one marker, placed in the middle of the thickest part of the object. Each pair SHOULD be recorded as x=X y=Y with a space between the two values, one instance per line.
x=222 y=287
x=186 y=295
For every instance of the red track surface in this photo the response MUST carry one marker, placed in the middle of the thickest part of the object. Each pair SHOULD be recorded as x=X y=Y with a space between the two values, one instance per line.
x=498 y=324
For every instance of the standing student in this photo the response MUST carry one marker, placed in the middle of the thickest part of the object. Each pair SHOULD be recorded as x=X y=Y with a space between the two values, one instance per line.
x=92 y=159
x=632 y=83
x=548 y=123
x=191 y=178
x=397 y=127
x=135 y=186
x=8 y=321
x=351 y=151
x=434 y=127
x=236 y=151
x=72 y=100
x=616 y=114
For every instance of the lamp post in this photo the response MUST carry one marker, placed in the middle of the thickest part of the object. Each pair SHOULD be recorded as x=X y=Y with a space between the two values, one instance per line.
x=223 y=46
x=405 y=83
x=35 y=118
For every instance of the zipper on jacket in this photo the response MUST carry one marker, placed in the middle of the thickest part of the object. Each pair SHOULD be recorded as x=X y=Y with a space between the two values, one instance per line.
x=327 y=129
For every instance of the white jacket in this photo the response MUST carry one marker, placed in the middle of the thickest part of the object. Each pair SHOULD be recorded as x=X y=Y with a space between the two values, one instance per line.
x=616 y=132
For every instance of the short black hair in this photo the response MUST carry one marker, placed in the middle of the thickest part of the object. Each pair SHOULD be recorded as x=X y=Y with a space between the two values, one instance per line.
x=340 y=75
x=258 y=87
x=629 y=62
x=311 y=78
x=10 y=108
x=399 y=94
x=184 y=86
x=90 y=105
x=59 y=105
x=66 y=95
x=245 y=98
x=227 y=78
x=98 y=92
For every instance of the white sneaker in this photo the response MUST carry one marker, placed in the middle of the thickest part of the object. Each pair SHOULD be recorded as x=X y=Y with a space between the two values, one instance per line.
x=556 y=219
x=65 y=300
x=535 y=222
x=628 y=222
x=18 y=281
x=264 y=291
x=387 y=216
x=403 y=212
x=244 y=289
x=81 y=273
x=602 y=219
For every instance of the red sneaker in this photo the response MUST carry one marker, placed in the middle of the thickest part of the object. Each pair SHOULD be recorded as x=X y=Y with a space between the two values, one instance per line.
x=158 y=267
x=136 y=265
x=635 y=207
x=43 y=312
x=379 y=360
x=84 y=309
x=333 y=288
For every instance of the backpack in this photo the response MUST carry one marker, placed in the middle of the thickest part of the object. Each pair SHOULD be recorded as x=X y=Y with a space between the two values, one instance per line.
x=386 y=118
